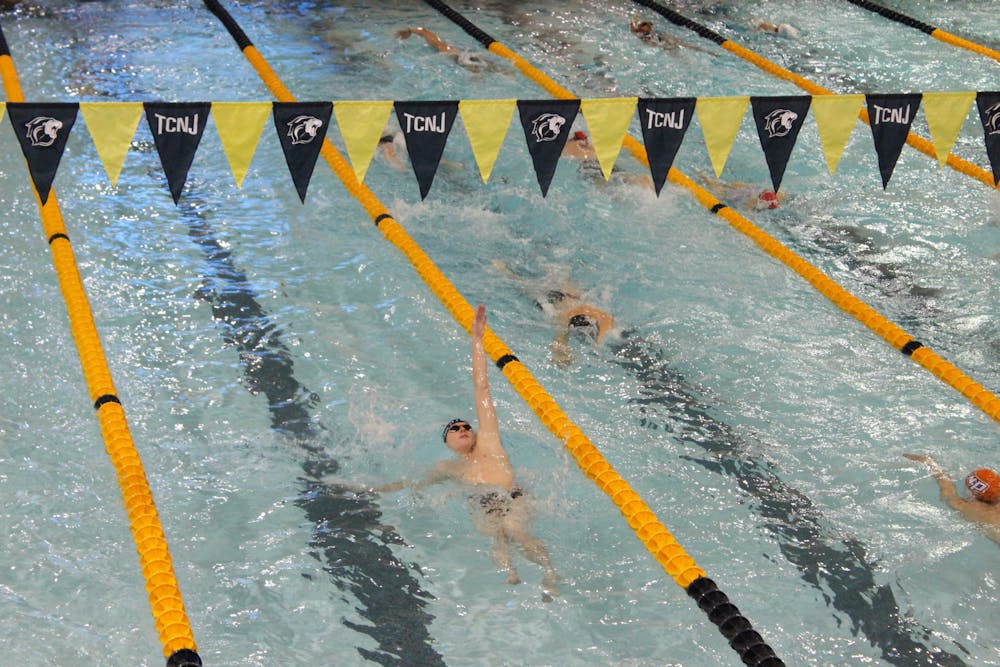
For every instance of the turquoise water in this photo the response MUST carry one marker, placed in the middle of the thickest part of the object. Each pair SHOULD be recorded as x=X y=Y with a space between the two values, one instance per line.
x=254 y=341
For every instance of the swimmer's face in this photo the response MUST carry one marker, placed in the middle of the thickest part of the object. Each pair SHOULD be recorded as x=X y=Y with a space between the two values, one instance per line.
x=460 y=437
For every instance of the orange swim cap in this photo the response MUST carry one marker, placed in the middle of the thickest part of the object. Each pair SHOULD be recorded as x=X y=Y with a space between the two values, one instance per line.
x=984 y=484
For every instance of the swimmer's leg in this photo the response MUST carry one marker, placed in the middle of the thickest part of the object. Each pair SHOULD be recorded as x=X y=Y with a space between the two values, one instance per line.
x=503 y=558
x=535 y=551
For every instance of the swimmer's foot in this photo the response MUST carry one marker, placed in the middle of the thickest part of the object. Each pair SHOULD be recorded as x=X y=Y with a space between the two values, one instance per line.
x=512 y=577
x=549 y=589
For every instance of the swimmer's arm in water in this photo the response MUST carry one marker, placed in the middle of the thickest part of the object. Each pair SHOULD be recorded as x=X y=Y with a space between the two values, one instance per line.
x=949 y=492
x=502 y=267
x=488 y=437
x=439 y=473
x=561 y=354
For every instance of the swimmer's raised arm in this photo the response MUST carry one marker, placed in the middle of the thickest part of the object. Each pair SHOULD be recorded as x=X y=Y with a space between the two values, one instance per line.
x=429 y=37
x=488 y=437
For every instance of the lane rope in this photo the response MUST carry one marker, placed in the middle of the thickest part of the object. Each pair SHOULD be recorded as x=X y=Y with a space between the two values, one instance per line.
x=936 y=33
x=944 y=370
x=164 y=594
x=654 y=536
x=915 y=141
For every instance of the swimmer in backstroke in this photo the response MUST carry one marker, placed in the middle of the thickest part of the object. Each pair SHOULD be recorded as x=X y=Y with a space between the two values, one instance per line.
x=564 y=304
x=497 y=503
x=984 y=485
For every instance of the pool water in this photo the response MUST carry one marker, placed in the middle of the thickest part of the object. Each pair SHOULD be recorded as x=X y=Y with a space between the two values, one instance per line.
x=267 y=351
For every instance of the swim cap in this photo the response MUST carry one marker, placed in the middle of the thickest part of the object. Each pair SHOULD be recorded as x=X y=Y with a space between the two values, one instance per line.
x=984 y=485
x=767 y=199
x=580 y=136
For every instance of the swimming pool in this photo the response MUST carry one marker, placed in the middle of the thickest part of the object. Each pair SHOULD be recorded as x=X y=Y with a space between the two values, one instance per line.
x=259 y=345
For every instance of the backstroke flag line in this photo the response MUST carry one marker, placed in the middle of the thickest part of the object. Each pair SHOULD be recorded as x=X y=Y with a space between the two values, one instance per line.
x=42 y=131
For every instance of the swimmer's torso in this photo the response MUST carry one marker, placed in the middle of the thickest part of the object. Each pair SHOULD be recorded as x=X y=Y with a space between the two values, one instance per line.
x=481 y=471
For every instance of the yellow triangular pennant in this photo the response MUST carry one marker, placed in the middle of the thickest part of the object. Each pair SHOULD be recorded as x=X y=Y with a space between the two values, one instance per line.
x=112 y=126
x=608 y=121
x=946 y=112
x=240 y=125
x=836 y=116
x=361 y=125
x=486 y=122
x=720 y=119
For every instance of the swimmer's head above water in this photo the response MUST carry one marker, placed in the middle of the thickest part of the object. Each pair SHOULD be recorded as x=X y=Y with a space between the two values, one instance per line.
x=984 y=485
x=455 y=426
x=641 y=27
x=459 y=437
x=585 y=325
x=767 y=199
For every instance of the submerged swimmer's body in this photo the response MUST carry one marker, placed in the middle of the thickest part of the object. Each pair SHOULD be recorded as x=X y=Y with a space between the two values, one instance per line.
x=498 y=506
x=747 y=196
x=581 y=148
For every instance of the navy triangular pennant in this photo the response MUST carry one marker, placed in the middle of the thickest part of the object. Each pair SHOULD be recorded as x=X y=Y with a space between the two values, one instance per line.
x=302 y=128
x=177 y=128
x=779 y=120
x=890 y=117
x=989 y=115
x=42 y=130
x=664 y=122
x=425 y=127
x=546 y=126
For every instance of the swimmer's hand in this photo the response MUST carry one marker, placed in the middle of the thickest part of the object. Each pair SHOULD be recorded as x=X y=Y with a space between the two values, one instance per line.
x=348 y=487
x=924 y=458
x=363 y=489
x=479 y=322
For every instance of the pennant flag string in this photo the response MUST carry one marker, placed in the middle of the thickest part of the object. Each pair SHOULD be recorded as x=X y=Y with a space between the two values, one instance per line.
x=42 y=130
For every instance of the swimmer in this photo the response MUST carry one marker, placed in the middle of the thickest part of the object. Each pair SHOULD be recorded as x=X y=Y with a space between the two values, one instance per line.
x=580 y=147
x=743 y=195
x=984 y=485
x=468 y=60
x=497 y=503
x=779 y=29
x=564 y=305
x=393 y=148
x=644 y=31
